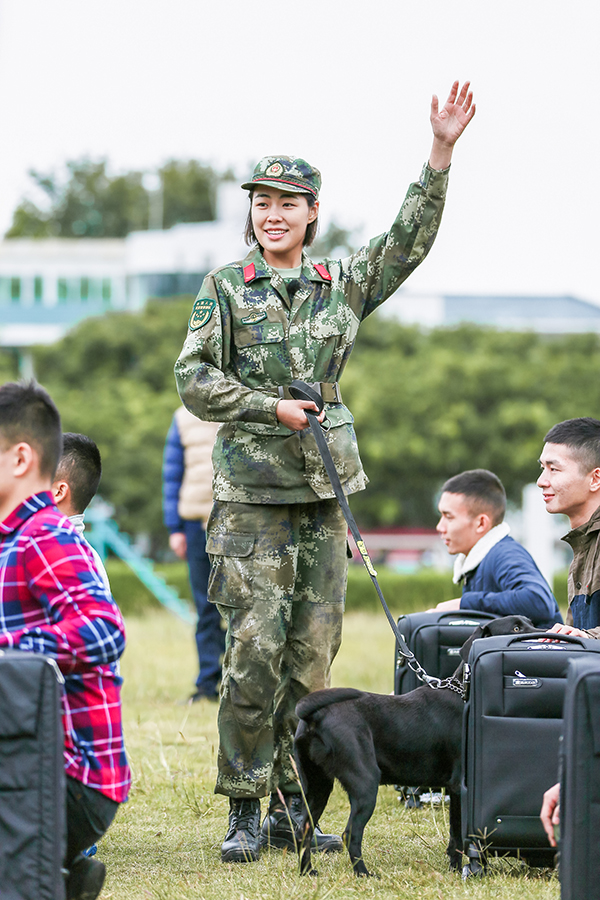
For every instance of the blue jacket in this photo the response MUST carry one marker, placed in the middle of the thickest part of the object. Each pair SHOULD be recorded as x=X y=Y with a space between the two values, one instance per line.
x=172 y=476
x=508 y=582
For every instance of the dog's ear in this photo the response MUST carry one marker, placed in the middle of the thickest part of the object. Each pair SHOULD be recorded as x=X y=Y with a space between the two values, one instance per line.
x=464 y=650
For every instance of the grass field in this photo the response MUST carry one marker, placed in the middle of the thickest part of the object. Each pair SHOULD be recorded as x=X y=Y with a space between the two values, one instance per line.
x=165 y=842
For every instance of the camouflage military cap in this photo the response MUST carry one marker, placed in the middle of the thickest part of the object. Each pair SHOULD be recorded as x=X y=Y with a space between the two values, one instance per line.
x=287 y=174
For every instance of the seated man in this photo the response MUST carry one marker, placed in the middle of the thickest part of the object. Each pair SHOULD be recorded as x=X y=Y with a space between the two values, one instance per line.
x=52 y=601
x=570 y=484
x=498 y=575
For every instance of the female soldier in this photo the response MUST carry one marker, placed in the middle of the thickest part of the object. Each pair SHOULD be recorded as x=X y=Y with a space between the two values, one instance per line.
x=276 y=536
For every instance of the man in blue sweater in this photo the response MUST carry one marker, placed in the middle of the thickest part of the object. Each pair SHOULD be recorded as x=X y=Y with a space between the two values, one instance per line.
x=497 y=574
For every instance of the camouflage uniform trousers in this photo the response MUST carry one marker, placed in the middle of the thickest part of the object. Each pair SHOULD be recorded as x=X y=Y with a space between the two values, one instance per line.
x=279 y=579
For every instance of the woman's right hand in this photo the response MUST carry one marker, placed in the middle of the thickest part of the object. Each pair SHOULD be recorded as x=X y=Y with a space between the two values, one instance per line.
x=291 y=413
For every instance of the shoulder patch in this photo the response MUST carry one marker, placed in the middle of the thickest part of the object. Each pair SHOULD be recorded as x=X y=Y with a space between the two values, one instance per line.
x=322 y=271
x=201 y=312
x=249 y=273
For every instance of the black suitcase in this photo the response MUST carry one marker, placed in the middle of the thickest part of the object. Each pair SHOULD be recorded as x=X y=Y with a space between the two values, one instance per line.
x=435 y=638
x=32 y=778
x=511 y=729
x=580 y=783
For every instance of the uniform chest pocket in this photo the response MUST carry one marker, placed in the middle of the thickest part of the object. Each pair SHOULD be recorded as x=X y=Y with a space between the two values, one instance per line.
x=342 y=324
x=262 y=333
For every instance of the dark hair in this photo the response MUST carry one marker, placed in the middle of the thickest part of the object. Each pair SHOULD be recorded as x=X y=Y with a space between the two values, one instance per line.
x=81 y=467
x=311 y=229
x=580 y=435
x=484 y=491
x=28 y=414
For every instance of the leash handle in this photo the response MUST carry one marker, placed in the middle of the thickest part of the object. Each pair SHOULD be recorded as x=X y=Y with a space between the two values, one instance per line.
x=300 y=390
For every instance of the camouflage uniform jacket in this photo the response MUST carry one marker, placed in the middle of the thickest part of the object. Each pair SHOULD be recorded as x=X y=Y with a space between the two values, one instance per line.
x=583 y=586
x=246 y=338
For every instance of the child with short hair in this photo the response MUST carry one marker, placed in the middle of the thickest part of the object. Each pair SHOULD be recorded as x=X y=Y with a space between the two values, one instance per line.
x=53 y=601
x=76 y=483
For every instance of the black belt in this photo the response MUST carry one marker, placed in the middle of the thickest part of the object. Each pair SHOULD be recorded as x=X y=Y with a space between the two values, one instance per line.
x=328 y=391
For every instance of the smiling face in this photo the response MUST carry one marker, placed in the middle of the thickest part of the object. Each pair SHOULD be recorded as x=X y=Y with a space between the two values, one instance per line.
x=566 y=487
x=459 y=526
x=280 y=220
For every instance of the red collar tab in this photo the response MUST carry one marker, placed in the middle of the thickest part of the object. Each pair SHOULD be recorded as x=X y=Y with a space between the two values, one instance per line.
x=322 y=271
x=249 y=273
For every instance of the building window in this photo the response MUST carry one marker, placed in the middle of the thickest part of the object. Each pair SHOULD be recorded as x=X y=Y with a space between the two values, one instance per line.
x=38 y=289
x=61 y=290
x=84 y=288
x=15 y=289
x=106 y=289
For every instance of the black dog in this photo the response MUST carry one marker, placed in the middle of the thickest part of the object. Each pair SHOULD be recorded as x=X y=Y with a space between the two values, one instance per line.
x=365 y=740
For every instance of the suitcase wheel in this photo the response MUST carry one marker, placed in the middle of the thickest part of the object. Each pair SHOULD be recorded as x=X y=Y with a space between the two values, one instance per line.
x=413 y=797
x=477 y=863
x=473 y=868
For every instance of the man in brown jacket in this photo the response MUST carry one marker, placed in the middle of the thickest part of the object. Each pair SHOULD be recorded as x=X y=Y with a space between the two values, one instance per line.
x=187 y=502
x=570 y=482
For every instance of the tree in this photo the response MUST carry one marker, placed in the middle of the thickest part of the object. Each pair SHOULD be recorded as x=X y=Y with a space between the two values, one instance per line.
x=189 y=192
x=427 y=405
x=112 y=379
x=9 y=369
x=334 y=242
x=85 y=200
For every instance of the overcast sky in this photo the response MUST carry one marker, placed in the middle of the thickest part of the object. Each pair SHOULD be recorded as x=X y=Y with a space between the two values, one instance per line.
x=347 y=85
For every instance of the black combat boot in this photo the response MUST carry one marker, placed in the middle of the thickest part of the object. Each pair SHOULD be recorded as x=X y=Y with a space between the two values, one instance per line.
x=85 y=879
x=277 y=830
x=241 y=840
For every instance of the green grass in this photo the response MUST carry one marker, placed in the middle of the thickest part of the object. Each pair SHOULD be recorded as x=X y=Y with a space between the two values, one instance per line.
x=165 y=842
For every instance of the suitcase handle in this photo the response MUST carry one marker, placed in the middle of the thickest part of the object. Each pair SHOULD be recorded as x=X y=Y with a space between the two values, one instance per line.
x=468 y=614
x=551 y=635
x=456 y=613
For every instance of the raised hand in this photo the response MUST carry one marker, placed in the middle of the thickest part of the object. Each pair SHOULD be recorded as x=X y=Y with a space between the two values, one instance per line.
x=449 y=122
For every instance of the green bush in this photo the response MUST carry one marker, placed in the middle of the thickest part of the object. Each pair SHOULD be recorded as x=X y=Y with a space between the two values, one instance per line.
x=404 y=593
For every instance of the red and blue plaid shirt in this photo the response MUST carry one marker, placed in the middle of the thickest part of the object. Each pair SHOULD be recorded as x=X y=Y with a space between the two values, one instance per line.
x=53 y=601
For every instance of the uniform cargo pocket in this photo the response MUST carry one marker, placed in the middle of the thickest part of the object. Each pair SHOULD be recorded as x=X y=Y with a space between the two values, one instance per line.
x=232 y=568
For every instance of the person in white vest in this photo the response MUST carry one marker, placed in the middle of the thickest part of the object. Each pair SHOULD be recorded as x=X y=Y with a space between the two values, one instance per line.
x=187 y=501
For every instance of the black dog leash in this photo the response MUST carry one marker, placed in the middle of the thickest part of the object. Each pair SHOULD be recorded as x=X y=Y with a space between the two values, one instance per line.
x=302 y=391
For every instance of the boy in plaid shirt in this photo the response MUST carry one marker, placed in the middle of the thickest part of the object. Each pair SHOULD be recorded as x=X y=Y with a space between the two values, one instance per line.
x=53 y=601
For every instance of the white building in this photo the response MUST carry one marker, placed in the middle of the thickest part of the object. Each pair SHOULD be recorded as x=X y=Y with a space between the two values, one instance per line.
x=556 y=314
x=47 y=285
